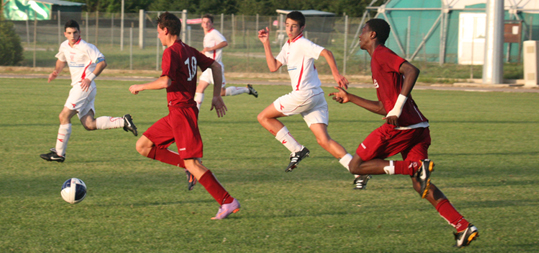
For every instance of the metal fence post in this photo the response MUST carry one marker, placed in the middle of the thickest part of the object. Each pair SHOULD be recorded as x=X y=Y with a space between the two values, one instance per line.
x=112 y=30
x=59 y=28
x=184 y=25
x=35 y=38
x=27 y=29
x=87 y=37
x=96 y=27
x=222 y=22
x=141 y=28
x=157 y=49
x=122 y=27
x=345 y=44
x=131 y=46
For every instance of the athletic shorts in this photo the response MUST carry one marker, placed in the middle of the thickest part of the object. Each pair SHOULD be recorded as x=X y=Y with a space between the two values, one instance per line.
x=385 y=141
x=313 y=109
x=180 y=126
x=81 y=101
x=207 y=76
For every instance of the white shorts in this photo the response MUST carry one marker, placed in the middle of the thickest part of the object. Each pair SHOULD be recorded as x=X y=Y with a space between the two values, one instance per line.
x=81 y=101
x=313 y=109
x=207 y=76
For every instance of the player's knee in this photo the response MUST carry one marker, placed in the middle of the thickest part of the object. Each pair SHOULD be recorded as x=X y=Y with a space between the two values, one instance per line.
x=261 y=118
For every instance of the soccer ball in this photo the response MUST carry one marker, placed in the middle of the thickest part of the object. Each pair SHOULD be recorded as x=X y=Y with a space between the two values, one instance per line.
x=73 y=190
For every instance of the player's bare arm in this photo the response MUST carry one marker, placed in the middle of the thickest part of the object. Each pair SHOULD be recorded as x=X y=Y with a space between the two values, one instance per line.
x=340 y=79
x=86 y=82
x=410 y=73
x=161 y=83
x=342 y=96
x=273 y=64
x=217 y=101
x=57 y=69
x=223 y=44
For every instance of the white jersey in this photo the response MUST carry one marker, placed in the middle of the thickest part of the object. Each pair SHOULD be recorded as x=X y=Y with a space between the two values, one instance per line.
x=81 y=59
x=299 y=55
x=212 y=38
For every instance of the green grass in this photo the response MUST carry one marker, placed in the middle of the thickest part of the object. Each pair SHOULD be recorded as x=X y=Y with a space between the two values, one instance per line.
x=485 y=146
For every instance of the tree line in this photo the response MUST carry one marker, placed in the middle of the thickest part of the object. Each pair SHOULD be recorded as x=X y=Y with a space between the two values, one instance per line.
x=353 y=8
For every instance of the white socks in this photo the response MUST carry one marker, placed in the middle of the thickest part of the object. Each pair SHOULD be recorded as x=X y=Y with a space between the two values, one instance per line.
x=229 y=91
x=63 y=137
x=199 y=98
x=345 y=161
x=284 y=137
x=106 y=122
x=390 y=170
x=233 y=91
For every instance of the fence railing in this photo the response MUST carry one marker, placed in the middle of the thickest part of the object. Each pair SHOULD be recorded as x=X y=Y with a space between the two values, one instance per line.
x=137 y=47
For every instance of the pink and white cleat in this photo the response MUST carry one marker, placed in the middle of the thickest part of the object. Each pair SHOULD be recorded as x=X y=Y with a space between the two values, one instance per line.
x=227 y=209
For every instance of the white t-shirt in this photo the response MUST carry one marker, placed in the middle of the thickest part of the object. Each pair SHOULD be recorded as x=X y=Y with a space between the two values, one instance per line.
x=81 y=59
x=299 y=55
x=212 y=38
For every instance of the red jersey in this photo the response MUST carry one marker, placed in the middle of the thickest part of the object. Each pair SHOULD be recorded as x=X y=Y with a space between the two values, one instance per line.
x=385 y=65
x=180 y=63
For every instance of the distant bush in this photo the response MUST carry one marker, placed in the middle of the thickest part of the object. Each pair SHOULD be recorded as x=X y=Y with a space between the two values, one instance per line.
x=10 y=45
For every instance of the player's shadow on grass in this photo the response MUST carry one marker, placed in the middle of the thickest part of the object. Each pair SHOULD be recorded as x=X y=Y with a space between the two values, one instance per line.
x=157 y=203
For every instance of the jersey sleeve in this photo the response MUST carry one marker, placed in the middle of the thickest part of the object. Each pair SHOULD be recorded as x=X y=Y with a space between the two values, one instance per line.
x=203 y=61
x=281 y=57
x=61 y=55
x=169 y=65
x=94 y=54
x=310 y=49
x=392 y=60
x=218 y=37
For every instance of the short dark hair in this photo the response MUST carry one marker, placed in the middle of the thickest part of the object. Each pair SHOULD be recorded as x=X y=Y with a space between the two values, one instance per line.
x=381 y=27
x=171 y=22
x=71 y=24
x=208 y=16
x=298 y=17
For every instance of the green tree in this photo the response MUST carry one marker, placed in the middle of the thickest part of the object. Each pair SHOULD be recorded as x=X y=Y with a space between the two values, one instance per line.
x=10 y=44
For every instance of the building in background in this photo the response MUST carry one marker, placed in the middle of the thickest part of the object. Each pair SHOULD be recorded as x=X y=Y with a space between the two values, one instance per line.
x=21 y=10
x=452 y=31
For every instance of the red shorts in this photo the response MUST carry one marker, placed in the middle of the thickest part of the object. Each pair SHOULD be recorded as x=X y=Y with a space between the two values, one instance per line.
x=385 y=141
x=180 y=126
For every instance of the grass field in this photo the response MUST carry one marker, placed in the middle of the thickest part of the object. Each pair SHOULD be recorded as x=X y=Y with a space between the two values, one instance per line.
x=485 y=146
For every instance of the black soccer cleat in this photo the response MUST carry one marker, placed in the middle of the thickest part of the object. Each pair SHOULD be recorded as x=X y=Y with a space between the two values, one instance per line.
x=129 y=125
x=52 y=157
x=423 y=176
x=296 y=157
x=191 y=180
x=252 y=91
x=466 y=237
x=361 y=182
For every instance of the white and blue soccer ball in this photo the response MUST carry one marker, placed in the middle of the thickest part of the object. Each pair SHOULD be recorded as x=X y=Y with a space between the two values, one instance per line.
x=73 y=190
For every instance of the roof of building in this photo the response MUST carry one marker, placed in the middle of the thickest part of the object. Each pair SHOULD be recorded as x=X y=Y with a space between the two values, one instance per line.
x=308 y=12
x=60 y=2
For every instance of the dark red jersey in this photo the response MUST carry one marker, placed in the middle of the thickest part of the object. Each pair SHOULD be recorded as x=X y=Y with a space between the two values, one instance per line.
x=385 y=65
x=180 y=63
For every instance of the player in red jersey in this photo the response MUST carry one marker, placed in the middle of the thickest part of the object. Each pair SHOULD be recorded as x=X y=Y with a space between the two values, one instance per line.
x=179 y=74
x=406 y=130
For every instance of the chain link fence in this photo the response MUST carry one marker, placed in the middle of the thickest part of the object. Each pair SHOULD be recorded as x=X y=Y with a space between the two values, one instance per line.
x=137 y=47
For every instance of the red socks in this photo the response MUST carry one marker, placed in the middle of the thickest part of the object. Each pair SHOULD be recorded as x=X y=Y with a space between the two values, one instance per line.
x=451 y=215
x=406 y=167
x=216 y=190
x=167 y=156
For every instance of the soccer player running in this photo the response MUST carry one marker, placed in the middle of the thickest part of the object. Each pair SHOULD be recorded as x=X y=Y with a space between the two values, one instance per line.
x=214 y=42
x=307 y=97
x=406 y=130
x=179 y=72
x=85 y=64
